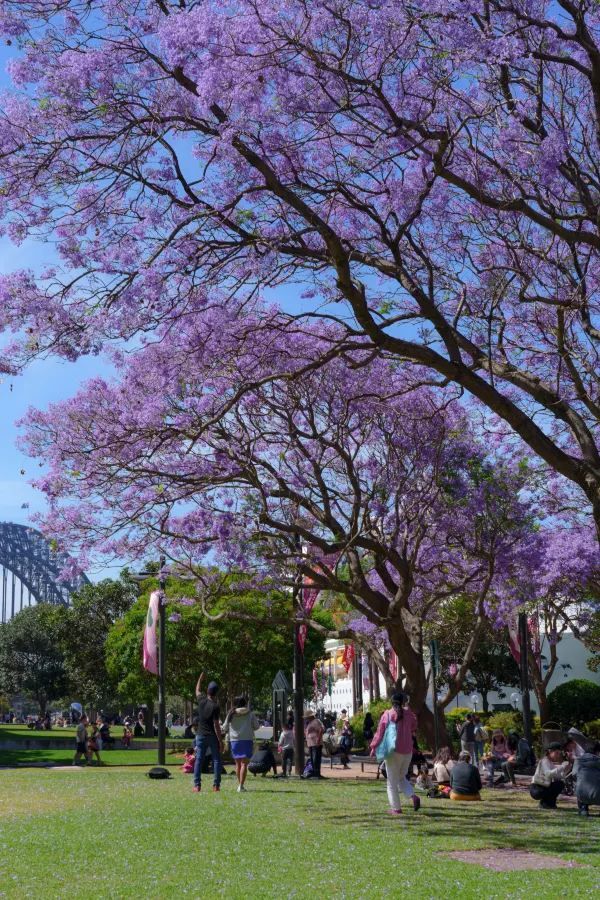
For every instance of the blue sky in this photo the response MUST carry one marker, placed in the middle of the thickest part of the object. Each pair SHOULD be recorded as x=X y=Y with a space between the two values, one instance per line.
x=44 y=382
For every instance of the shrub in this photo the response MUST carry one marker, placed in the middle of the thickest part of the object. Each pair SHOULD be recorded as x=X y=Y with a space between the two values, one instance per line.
x=507 y=721
x=592 y=729
x=574 y=702
x=357 y=722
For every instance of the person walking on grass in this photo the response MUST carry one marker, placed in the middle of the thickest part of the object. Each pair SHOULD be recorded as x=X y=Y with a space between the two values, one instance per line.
x=94 y=744
x=466 y=733
x=241 y=723
x=81 y=747
x=398 y=760
x=208 y=733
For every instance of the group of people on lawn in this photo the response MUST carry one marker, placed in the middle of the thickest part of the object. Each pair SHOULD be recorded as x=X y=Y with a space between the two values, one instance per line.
x=459 y=779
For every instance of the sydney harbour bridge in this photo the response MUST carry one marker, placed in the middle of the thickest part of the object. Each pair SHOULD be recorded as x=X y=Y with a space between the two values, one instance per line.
x=29 y=571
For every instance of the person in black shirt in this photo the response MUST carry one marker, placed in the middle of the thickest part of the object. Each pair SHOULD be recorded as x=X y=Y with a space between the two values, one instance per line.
x=466 y=733
x=208 y=733
x=465 y=780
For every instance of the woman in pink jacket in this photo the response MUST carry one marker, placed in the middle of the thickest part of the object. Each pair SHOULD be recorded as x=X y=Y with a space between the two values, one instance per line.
x=398 y=762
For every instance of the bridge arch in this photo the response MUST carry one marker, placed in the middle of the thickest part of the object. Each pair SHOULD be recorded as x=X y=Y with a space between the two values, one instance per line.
x=33 y=566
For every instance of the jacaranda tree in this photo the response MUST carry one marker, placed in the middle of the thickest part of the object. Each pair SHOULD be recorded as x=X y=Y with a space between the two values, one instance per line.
x=428 y=170
x=365 y=483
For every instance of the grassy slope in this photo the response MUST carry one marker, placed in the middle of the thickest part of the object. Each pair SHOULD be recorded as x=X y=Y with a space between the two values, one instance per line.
x=281 y=839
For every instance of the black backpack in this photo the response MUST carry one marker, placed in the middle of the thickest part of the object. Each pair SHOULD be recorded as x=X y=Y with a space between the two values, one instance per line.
x=159 y=772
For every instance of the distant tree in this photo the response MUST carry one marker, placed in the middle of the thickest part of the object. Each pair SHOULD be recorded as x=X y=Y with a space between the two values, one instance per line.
x=491 y=667
x=83 y=631
x=575 y=702
x=242 y=651
x=31 y=656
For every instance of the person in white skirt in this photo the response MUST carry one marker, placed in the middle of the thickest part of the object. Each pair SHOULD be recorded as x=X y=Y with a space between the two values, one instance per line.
x=398 y=761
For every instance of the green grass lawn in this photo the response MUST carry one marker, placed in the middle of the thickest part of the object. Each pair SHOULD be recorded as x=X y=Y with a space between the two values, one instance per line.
x=64 y=757
x=22 y=732
x=118 y=834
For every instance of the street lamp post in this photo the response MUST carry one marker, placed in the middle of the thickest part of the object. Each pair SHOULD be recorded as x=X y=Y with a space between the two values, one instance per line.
x=162 y=580
x=524 y=671
x=298 y=685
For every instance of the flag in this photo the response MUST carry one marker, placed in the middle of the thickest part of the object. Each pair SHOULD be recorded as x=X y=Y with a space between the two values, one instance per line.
x=366 y=673
x=309 y=593
x=513 y=638
x=533 y=625
x=348 y=657
x=393 y=665
x=150 y=656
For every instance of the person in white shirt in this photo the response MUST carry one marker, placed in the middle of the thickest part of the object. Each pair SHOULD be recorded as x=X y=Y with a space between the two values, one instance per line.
x=548 y=780
x=443 y=765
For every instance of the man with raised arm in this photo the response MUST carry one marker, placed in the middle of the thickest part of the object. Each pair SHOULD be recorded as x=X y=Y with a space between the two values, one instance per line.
x=208 y=733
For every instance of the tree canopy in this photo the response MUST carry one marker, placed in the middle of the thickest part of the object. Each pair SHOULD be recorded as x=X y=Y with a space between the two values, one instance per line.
x=428 y=171
x=242 y=647
x=31 y=658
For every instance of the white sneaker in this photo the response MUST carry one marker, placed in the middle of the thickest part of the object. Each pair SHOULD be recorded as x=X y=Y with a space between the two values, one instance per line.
x=241 y=788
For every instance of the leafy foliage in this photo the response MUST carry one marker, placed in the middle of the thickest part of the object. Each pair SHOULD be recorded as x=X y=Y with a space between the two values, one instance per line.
x=574 y=702
x=31 y=659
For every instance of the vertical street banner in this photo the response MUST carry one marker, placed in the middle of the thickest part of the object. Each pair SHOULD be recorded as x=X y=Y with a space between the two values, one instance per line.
x=348 y=657
x=513 y=638
x=150 y=647
x=310 y=592
x=393 y=664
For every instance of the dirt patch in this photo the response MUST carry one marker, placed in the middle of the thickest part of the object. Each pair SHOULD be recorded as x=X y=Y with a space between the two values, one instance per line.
x=505 y=859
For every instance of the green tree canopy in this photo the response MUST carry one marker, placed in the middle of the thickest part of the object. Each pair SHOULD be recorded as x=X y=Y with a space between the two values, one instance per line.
x=492 y=665
x=574 y=702
x=242 y=651
x=31 y=657
x=84 y=628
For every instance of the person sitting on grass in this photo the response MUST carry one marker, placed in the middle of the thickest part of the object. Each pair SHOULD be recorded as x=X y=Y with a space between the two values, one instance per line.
x=424 y=782
x=548 y=780
x=465 y=780
x=588 y=780
x=263 y=761
x=443 y=764
x=498 y=754
x=81 y=748
x=521 y=759
x=189 y=759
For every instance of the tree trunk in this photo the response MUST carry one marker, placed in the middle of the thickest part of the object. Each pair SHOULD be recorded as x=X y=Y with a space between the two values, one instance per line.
x=484 y=701
x=417 y=684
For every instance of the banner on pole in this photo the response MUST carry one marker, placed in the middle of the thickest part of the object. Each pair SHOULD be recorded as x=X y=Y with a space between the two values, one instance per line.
x=309 y=594
x=348 y=657
x=150 y=647
x=513 y=638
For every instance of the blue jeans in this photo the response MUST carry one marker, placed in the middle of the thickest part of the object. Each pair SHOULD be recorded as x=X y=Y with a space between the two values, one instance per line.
x=203 y=743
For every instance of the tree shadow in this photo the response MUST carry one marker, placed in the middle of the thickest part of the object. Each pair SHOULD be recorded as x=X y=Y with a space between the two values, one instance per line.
x=495 y=824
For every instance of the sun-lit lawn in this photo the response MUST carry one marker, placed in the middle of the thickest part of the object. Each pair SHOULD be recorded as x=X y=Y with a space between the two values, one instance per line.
x=118 y=834
x=64 y=757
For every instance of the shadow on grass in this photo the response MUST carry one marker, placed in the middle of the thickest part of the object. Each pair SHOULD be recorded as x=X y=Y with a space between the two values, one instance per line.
x=524 y=827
